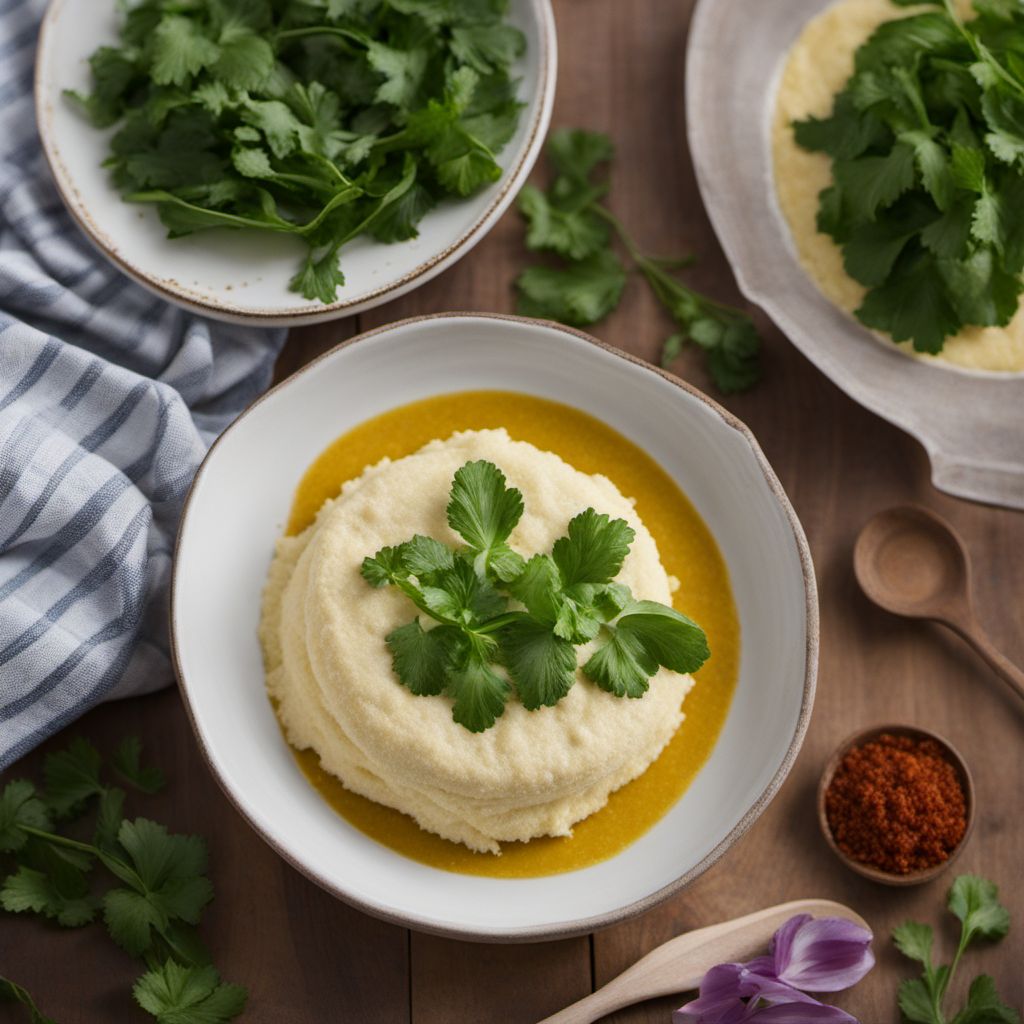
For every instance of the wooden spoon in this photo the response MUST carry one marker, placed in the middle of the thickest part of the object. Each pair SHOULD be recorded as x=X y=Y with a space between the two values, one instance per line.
x=679 y=964
x=912 y=563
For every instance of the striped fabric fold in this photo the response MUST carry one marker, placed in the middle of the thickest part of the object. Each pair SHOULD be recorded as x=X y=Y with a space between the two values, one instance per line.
x=109 y=399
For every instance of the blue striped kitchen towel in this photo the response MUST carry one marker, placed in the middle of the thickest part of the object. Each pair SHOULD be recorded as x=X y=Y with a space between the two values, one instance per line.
x=109 y=398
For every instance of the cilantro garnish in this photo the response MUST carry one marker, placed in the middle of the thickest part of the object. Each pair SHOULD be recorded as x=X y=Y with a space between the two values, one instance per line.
x=569 y=597
x=321 y=120
x=927 y=148
x=188 y=995
x=975 y=902
x=159 y=886
x=585 y=283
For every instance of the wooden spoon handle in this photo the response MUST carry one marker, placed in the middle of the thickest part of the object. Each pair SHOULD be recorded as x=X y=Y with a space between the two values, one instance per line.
x=997 y=661
x=679 y=964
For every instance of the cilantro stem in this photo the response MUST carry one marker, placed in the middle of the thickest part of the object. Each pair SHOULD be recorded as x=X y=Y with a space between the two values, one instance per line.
x=982 y=52
x=322 y=30
x=498 y=622
x=620 y=230
x=114 y=865
x=665 y=287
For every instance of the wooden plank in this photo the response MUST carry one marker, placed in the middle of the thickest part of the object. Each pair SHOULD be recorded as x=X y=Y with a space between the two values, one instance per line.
x=471 y=982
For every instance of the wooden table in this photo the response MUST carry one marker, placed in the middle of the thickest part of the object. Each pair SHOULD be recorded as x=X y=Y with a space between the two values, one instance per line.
x=306 y=957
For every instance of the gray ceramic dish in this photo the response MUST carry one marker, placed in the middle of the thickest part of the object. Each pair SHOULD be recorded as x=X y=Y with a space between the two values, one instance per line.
x=971 y=423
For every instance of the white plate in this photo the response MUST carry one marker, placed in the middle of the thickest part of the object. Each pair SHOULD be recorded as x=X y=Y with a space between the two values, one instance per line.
x=237 y=508
x=234 y=275
x=970 y=422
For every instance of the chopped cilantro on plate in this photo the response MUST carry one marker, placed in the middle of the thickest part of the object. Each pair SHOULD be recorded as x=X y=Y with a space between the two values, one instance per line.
x=322 y=119
x=927 y=148
x=561 y=600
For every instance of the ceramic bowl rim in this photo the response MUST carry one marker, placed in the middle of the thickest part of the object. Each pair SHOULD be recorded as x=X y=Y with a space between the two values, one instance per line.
x=580 y=926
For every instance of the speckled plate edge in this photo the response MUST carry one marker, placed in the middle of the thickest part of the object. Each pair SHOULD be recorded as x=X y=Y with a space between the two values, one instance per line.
x=583 y=925
x=308 y=313
x=971 y=424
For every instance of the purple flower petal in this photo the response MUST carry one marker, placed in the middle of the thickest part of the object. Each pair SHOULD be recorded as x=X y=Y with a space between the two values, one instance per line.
x=801 y=1013
x=722 y=993
x=719 y=1001
x=824 y=954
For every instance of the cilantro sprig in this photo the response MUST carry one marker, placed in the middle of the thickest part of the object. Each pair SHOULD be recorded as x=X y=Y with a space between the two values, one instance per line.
x=570 y=220
x=975 y=902
x=927 y=148
x=148 y=885
x=568 y=597
x=323 y=119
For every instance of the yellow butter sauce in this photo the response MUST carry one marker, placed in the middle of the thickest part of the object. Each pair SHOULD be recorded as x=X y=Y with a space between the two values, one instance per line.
x=688 y=552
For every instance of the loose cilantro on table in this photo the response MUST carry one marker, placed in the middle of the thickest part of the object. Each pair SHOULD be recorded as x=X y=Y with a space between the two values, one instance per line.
x=586 y=284
x=927 y=148
x=568 y=597
x=159 y=890
x=975 y=901
x=316 y=118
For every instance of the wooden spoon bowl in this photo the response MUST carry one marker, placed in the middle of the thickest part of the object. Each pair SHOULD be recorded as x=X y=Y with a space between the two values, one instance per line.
x=951 y=754
x=912 y=563
x=909 y=562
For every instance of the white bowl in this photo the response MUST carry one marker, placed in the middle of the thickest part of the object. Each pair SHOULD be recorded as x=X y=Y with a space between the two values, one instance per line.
x=238 y=276
x=237 y=509
x=969 y=421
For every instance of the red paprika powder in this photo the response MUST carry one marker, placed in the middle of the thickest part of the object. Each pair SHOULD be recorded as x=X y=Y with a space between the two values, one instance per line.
x=896 y=804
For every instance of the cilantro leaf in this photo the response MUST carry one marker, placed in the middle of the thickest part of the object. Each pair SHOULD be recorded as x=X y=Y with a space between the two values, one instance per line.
x=398 y=221
x=914 y=940
x=387 y=566
x=485 y=47
x=180 y=50
x=872 y=182
x=15 y=993
x=245 y=60
x=423 y=556
x=479 y=693
x=576 y=232
x=402 y=70
x=19 y=806
x=568 y=597
x=64 y=899
x=579 y=294
x=127 y=763
x=72 y=776
x=541 y=664
x=975 y=901
x=912 y=305
x=645 y=636
x=108 y=819
x=538 y=586
x=915 y=1002
x=252 y=116
x=484 y=511
x=460 y=593
x=984 y=1005
x=927 y=144
x=174 y=994
x=169 y=885
x=320 y=276
x=421 y=658
x=733 y=352
x=594 y=548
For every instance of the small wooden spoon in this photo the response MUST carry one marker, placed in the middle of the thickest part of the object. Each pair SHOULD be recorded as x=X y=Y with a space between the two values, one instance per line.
x=679 y=964
x=912 y=563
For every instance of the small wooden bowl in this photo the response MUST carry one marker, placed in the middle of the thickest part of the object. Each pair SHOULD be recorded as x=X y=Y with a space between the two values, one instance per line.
x=866 y=736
